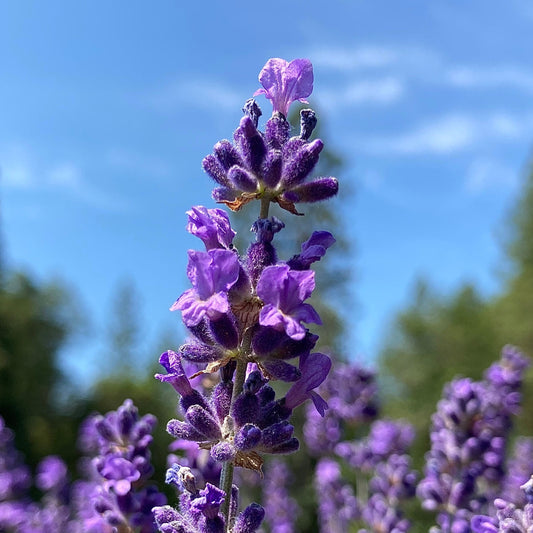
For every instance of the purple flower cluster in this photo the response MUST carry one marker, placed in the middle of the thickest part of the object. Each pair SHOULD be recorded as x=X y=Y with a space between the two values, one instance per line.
x=519 y=468
x=465 y=466
x=253 y=424
x=272 y=165
x=15 y=480
x=351 y=393
x=121 y=468
x=509 y=518
x=337 y=504
x=382 y=461
x=281 y=510
x=200 y=509
x=384 y=475
x=248 y=314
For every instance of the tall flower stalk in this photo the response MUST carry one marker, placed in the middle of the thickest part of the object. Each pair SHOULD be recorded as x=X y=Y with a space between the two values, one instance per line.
x=248 y=314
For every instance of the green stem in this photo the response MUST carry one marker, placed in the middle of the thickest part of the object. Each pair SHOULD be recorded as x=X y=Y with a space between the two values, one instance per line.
x=265 y=204
x=226 y=476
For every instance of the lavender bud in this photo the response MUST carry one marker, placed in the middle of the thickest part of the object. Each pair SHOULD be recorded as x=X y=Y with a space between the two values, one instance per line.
x=221 y=399
x=226 y=155
x=224 y=331
x=182 y=430
x=277 y=131
x=254 y=382
x=304 y=161
x=250 y=519
x=245 y=409
x=201 y=420
x=241 y=179
x=223 y=451
x=315 y=191
x=251 y=109
x=200 y=353
x=248 y=437
x=214 y=169
x=276 y=434
x=271 y=171
x=308 y=122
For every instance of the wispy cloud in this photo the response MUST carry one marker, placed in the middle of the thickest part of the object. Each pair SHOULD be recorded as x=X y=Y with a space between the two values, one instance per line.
x=346 y=59
x=202 y=94
x=138 y=163
x=488 y=174
x=19 y=170
x=420 y=64
x=502 y=76
x=16 y=168
x=451 y=133
x=367 y=91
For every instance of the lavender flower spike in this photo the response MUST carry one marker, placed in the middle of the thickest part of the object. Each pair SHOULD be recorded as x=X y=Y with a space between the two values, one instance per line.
x=285 y=82
x=283 y=291
x=212 y=274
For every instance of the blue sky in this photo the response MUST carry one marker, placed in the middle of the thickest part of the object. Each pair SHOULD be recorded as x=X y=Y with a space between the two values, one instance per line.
x=107 y=109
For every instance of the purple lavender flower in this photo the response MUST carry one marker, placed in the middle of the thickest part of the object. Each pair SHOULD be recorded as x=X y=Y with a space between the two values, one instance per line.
x=313 y=249
x=272 y=166
x=123 y=467
x=212 y=226
x=280 y=509
x=51 y=474
x=314 y=369
x=199 y=510
x=212 y=274
x=15 y=480
x=337 y=504
x=254 y=423
x=509 y=519
x=465 y=466
x=519 y=467
x=351 y=394
x=285 y=82
x=283 y=292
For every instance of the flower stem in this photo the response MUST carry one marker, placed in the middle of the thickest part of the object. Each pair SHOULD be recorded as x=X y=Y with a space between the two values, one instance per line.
x=265 y=204
x=226 y=476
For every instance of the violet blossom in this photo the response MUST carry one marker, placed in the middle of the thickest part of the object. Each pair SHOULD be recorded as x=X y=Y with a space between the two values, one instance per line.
x=284 y=82
x=212 y=274
x=212 y=226
x=283 y=292
x=271 y=166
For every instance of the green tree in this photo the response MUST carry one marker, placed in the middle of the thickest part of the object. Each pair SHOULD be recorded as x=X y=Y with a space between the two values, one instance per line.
x=435 y=339
x=35 y=323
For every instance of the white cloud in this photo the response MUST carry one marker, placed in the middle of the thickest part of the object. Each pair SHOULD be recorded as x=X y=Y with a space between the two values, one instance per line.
x=345 y=59
x=22 y=171
x=487 y=174
x=15 y=168
x=134 y=162
x=501 y=76
x=202 y=94
x=65 y=175
x=451 y=133
x=382 y=91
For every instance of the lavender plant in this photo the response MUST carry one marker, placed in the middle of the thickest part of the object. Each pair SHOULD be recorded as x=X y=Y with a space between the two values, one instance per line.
x=248 y=318
x=247 y=314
